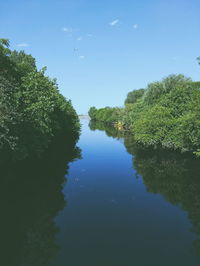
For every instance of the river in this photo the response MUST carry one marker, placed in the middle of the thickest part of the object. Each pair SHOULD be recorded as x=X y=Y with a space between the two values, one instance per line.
x=115 y=216
x=117 y=205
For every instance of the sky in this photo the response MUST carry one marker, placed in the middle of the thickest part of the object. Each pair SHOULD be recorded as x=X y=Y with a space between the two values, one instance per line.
x=99 y=50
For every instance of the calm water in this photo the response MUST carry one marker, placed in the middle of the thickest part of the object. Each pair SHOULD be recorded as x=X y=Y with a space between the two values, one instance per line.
x=120 y=206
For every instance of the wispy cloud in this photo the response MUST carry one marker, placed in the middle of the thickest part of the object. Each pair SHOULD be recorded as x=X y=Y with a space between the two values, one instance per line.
x=23 y=44
x=82 y=57
x=89 y=35
x=135 y=26
x=70 y=30
x=80 y=38
x=114 y=22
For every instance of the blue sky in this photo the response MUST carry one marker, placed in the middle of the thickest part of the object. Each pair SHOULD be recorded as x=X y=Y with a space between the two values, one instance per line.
x=101 y=50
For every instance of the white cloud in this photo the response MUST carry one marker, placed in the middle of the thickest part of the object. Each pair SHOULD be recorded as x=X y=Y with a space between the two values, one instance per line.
x=23 y=44
x=82 y=57
x=70 y=30
x=79 y=38
x=89 y=35
x=135 y=26
x=114 y=22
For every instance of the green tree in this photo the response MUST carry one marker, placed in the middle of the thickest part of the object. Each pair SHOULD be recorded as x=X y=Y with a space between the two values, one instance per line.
x=165 y=114
x=133 y=96
x=32 y=111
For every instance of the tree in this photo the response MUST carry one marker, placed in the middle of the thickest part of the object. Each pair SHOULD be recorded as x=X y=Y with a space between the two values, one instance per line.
x=32 y=111
x=25 y=63
x=92 y=112
x=133 y=96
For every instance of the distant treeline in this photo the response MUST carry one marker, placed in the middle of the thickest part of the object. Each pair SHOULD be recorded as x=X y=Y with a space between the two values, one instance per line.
x=165 y=114
x=32 y=111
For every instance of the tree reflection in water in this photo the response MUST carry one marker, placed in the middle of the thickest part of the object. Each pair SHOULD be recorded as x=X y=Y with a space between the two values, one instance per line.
x=30 y=198
x=174 y=175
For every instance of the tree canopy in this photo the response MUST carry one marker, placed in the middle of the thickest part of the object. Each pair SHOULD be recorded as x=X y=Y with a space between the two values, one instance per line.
x=32 y=111
x=166 y=114
x=133 y=96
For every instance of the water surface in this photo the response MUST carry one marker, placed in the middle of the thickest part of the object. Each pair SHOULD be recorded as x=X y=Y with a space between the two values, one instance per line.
x=128 y=207
x=118 y=205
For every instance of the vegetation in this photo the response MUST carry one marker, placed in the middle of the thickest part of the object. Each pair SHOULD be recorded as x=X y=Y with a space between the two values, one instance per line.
x=165 y=114
x=32 y=111
x=133 y=96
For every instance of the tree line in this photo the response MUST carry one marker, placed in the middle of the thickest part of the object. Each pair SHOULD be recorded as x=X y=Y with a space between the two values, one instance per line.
x=164 y=114
x=32 y=111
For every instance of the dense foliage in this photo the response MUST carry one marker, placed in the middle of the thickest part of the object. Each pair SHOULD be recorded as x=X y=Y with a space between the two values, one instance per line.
x=133 y=96
x=166 y=114
x=32 y=111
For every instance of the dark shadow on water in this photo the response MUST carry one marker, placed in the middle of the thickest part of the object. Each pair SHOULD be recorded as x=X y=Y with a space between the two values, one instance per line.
x=30 y=198
x=174 y=175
